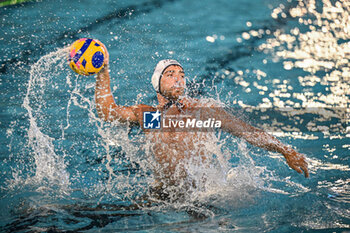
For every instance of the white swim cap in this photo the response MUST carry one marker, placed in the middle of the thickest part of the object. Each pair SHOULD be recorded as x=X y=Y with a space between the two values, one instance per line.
x=158 y=72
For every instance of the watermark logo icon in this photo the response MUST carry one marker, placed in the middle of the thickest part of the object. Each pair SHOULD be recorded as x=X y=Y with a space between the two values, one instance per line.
x=151 y=120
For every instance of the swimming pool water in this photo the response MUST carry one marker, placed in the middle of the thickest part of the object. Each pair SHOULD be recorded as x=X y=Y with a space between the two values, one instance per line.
x=65 y=170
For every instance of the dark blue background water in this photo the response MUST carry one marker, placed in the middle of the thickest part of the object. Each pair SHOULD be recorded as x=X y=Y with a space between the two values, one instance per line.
x=72 y=189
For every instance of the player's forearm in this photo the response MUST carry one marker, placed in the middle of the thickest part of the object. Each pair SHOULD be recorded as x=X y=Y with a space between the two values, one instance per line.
x=253 y=135
x=266 y=141
x=103 y=95
x=258 y=137
x=106 y=107
x=103 y=83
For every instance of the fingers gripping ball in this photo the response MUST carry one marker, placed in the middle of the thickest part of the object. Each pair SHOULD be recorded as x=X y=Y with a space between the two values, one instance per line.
x=86 y=56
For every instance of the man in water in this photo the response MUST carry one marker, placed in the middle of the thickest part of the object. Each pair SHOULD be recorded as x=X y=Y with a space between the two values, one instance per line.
x=172 y=147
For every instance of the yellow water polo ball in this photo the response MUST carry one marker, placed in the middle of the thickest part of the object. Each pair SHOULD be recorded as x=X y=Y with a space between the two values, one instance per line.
x=86 y=56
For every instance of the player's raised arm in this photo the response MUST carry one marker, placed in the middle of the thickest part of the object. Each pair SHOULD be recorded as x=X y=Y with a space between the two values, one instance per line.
x=258 y=137
x=106 y=107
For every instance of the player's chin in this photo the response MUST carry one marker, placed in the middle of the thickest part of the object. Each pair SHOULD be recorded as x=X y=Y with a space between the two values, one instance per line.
x=177 y=92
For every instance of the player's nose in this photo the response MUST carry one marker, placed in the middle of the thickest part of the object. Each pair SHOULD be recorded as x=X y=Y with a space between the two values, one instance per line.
x=178 y=77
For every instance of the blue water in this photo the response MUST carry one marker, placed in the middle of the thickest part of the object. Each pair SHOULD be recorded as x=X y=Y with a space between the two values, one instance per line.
x=63 y=169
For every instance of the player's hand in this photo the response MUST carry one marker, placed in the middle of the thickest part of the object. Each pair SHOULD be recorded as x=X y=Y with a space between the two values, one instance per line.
x=296 y=161
x=106 y=60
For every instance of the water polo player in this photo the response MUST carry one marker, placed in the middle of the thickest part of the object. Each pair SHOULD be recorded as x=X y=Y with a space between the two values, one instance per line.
x=171 y=148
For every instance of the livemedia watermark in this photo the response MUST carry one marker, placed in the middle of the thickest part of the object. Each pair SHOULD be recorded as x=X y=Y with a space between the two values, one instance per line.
x=333 y=120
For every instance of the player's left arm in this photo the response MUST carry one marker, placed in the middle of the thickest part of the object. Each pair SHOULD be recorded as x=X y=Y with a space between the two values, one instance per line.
x=258 y=137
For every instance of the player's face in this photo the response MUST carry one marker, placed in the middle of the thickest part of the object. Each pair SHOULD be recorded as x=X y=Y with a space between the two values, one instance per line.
x=172 y=84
